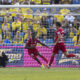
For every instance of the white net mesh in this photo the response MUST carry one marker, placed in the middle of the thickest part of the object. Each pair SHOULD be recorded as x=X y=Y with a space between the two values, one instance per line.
x=16 y=23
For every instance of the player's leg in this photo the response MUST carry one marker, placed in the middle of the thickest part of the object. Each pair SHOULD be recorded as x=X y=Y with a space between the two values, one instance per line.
x=63 y=49
x=69 y=55
x=35 y=58
x=43 y=57
x=55 y=51
x=51 y=60
x=42 y=66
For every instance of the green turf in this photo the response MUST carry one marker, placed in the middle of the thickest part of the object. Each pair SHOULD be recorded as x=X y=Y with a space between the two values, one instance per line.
x=39 y=74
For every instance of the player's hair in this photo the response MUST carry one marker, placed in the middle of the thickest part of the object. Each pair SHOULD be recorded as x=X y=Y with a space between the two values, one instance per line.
x=33 y=33
x=58 y=24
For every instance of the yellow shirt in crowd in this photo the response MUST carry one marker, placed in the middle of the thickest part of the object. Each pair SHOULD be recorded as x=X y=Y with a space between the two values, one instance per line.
x=25 y=36
x=64 y=11
x=8 y=26
x=75 y=37
x=14 y=11
x=8 y=37
x=28 y=16
x=60 y=18
x=41 y=31
x=3 y=12
x=37 y=1
x=25 y=26
x=71 y=35
x=36 y=17
x=44 y=14
x=9 y=18
x=21 y=0
x=46 y=1
x=16 y=25
x=35 y=26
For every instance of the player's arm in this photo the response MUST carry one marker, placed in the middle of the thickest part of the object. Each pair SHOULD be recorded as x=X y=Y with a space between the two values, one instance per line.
x=44 y=45
x=38 y=41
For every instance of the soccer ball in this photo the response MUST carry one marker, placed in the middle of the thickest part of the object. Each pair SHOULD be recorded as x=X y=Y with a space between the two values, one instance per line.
x=74 y=62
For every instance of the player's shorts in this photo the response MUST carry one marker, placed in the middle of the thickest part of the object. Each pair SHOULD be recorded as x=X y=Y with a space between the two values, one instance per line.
x=59 y=46
x=33 y=52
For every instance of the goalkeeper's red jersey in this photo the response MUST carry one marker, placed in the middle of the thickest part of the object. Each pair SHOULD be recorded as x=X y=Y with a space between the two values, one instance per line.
x=31 y=42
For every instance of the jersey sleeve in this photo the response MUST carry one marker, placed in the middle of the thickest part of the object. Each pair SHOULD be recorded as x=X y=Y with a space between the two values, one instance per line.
x=38 y=41
x=28 y=42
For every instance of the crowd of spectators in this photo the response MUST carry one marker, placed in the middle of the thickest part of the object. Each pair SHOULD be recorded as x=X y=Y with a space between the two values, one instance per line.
x=17 y=2
x=16 y=23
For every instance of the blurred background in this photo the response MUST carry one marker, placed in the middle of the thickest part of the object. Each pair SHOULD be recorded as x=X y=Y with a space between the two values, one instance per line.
x=39 y=2
x=16 y=24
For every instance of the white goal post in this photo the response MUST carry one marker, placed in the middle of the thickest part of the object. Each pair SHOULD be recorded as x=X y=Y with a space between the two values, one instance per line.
x=41 y=6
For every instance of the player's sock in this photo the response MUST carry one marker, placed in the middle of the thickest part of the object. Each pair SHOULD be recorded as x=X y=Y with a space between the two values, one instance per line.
x=44 y=58
x=71 y=55
x=38 y=61
x=51 y=60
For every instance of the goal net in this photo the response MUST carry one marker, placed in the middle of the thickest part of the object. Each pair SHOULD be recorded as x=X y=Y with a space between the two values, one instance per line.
x=16 y=23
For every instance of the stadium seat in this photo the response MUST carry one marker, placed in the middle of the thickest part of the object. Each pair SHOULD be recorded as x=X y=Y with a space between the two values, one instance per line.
x=47 y=9
x=1 y=19
x=50 y=21
x=47 y=41
x=76 y=1
x=79 y=2
x=22 y=34
x=0 y=26
x=7 y=41
x=69 y=42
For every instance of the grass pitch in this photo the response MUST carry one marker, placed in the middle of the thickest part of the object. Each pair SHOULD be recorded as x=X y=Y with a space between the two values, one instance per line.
x=39 y=74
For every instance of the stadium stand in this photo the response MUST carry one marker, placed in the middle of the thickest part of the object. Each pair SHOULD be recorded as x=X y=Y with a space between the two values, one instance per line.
x=17 y=2
x=15 y=24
